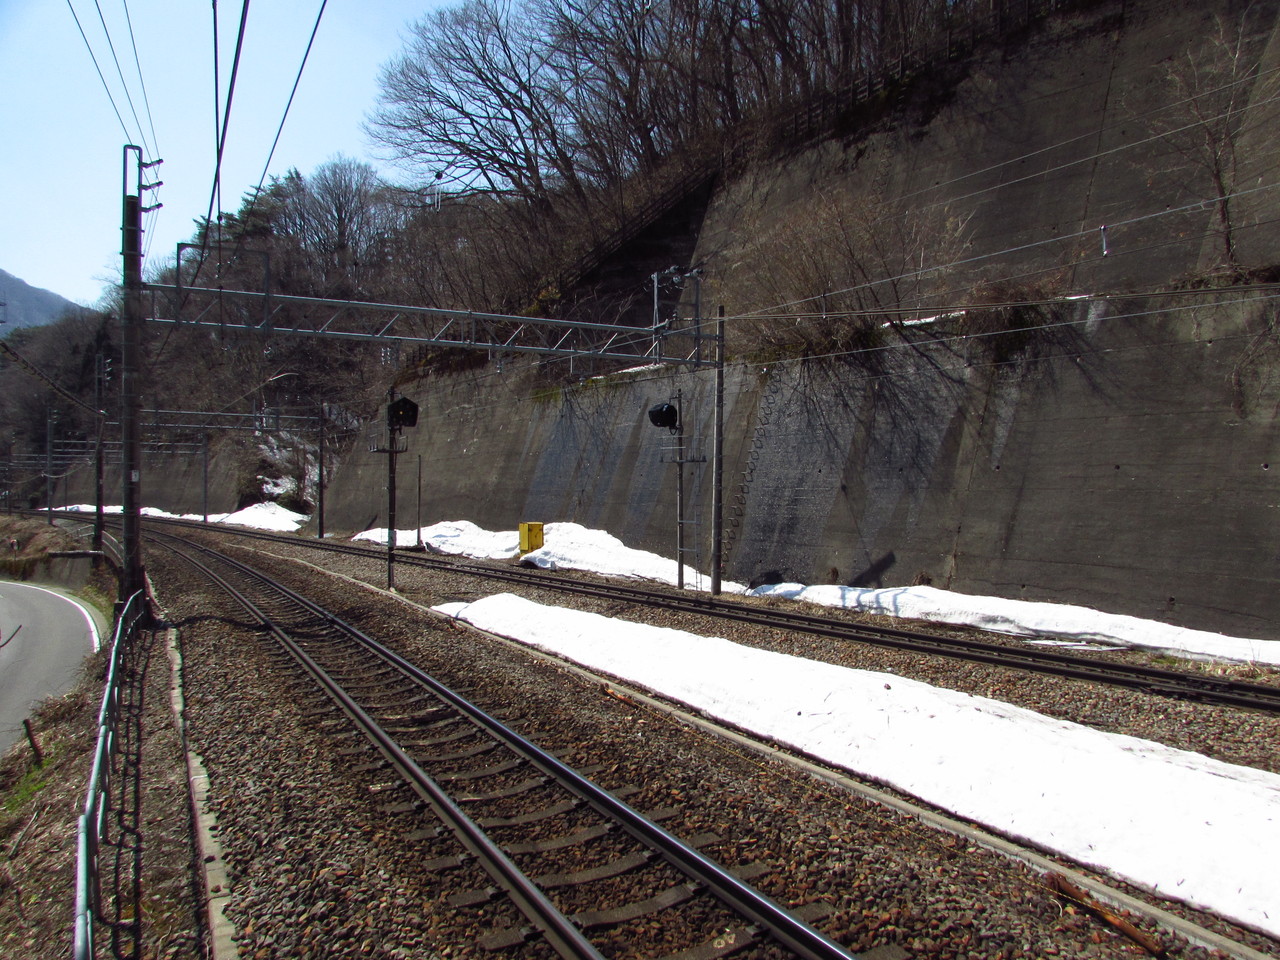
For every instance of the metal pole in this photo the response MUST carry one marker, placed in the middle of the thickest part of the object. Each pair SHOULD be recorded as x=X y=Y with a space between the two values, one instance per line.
x=99 y=461
x=419 y=499
x=204 y=479
x=320 y=479
x=655 y=306
x=48 y=465
x=697 y=318
x=679 y=491
x=657 y=335
x=99 y=485
x=131 y=580
x=391 y=495
x=717 y=466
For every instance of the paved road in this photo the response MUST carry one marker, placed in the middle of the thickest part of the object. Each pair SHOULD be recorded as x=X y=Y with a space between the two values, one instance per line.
x=43 y=659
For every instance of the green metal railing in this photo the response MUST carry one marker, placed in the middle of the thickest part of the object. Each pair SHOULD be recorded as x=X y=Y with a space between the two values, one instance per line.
x=97 y=805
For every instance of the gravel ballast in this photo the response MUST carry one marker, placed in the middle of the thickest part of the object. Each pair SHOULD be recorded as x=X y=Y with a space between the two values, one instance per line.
x=334 y=878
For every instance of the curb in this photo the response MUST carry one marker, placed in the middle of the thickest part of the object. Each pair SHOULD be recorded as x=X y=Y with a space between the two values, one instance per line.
x=212 y=869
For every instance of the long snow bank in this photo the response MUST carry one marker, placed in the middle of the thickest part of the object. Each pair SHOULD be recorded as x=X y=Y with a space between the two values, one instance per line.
x=1178 y=823
x=571 y=546
x=1027 y=618
x=260 y=516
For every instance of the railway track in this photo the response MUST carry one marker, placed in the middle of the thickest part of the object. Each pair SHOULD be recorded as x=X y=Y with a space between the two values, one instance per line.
x=573 y=858
x=1152 y=680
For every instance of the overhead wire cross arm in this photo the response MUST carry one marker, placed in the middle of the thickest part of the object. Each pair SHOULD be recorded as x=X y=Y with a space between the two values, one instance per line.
x=256 y=312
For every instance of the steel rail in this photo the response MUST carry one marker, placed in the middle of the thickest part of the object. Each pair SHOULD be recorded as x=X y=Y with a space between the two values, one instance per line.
x=1154 y=680
x=556 y=928
x=1157 y=681
x=754 y=906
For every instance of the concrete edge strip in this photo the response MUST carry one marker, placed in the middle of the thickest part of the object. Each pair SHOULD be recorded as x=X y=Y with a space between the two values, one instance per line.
x=1192 y=932
x=215 y=884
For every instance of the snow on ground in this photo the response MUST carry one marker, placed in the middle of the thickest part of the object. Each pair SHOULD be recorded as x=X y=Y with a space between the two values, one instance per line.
x=264 y=516
x=1031 y=619
x=1176 y=822
x=454 y=536
x=572 y=546
x=260 y=516
x=567 y=546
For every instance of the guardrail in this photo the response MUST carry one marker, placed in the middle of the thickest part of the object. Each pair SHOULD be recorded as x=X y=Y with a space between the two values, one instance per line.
x=93 y=822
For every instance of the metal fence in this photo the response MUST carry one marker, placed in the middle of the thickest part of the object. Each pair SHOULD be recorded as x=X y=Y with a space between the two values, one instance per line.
x=93 y=822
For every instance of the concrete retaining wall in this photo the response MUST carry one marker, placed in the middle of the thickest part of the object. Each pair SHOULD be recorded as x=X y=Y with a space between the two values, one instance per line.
x=1128 y=461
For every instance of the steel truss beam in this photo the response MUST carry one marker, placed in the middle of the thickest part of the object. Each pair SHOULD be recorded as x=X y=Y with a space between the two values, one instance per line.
x=204 y=420
x=265 y=313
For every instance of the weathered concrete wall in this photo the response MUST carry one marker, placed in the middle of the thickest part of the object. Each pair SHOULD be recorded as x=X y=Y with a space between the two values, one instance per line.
x=174 y=484
x=1127 y=461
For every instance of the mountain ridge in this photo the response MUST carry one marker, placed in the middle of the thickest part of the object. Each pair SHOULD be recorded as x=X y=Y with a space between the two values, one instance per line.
x=28 y=306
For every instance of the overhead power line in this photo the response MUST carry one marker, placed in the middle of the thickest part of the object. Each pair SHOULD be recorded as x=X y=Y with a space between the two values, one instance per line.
x=296 y=80
x=1121 y=124
x=226 y=114
x=105 y=86
x=764 y=313
x=142 y=83
x=123 y=82
x=39 y=374
x=285 y=116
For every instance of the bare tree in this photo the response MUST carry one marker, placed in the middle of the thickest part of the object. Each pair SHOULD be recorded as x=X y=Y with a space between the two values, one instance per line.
x=1213 y=90
x=851 y=268
x=469 y=98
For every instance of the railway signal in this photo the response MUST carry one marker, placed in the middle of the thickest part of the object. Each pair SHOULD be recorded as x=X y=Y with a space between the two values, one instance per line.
x=401 y=413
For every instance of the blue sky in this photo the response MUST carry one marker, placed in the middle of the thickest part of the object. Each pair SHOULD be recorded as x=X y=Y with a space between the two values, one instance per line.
x=60 y=140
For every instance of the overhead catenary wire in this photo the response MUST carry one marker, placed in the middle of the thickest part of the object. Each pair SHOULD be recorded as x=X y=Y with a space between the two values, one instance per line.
x=1011 y=249
x=257 y=192
x=1253 y=75
x=935 y=308
x=763 y=312
x=978 y=335
x=1088 y=231
x=292 y=93
x=123 y=82
x=142 y=83
x=216 y=190
x=217 y=90
x=220 y=126
x=152 y=215
x=1092 y=134
x=105 y=86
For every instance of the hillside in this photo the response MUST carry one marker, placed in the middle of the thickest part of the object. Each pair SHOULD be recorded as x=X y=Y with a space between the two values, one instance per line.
x=28 y=306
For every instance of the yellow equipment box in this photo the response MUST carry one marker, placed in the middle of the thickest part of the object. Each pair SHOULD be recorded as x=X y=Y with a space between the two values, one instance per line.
x=530 y=537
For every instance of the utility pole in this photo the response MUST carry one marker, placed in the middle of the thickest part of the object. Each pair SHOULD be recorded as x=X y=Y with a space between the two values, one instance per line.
x=680 y=491
x=48 y=465
x=99 y=459
x=717 y=465
x=393 y=435
x=132 y=576
x=320 y=478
